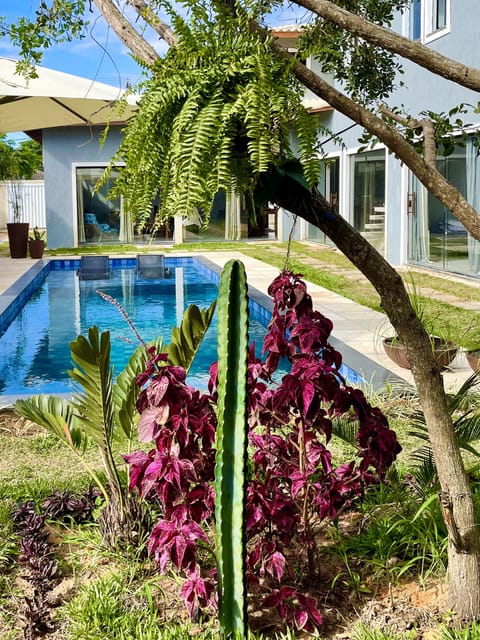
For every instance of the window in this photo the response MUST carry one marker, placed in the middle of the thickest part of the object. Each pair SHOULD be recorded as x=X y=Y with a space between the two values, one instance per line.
x=441 y=14
x=98 y=214
x=429 y=19
x=369 y=196
x=329 y=185
x=416 y=20
x=436 y=239
x=436 y=18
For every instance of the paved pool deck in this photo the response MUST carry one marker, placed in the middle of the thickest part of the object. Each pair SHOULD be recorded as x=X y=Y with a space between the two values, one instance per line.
x=356 y=328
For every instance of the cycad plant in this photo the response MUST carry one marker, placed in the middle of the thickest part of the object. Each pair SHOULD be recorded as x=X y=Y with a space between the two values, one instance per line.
x=465 y=410
x=104 y=411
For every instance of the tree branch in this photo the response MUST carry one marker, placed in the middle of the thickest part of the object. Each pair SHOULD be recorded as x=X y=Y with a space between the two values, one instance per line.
x=426 y=57
x=127 y=34
x=425 y=172
x=428 y=128
x=145 y=12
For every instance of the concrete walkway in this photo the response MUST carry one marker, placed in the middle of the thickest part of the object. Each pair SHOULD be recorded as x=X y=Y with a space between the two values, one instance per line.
x=358 y=327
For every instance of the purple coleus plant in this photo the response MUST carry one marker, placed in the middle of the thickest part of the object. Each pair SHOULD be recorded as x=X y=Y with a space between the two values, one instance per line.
x=293 y=485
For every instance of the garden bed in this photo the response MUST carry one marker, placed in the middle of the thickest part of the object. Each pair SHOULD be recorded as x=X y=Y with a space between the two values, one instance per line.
x=86 y=568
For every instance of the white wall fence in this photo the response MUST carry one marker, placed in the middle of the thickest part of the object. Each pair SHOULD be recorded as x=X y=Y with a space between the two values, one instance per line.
x=31 y=195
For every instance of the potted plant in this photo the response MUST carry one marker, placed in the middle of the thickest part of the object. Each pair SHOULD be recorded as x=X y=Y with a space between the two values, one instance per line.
x=17 y=231
x=443 y=347
x=36 y=244
x=473 y=359
x=18 y=163
x=444 y=350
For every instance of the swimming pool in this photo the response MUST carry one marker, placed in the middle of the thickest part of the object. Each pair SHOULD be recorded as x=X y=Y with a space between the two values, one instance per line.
x=28 y=346
x=57 y=306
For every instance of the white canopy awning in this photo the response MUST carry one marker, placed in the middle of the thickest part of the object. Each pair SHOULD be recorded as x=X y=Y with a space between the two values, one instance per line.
x=55 y=99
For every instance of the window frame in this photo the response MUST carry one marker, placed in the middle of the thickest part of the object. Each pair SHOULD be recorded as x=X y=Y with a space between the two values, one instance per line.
x=415 y=20
x=430 y=32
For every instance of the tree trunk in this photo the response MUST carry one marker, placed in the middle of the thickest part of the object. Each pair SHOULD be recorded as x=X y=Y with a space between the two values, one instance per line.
x=456 y=497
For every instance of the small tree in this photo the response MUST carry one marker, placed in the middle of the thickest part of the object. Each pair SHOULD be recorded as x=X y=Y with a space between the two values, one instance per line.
x=19 y=162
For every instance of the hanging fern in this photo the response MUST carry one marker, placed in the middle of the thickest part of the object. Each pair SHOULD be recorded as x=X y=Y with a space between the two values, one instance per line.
x=217 y=112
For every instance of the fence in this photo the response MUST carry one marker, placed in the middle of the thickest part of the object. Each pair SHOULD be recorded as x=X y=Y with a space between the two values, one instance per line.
x=30 y=194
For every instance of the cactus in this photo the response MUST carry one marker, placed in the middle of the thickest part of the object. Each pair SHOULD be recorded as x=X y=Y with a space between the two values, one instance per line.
x=231 y=443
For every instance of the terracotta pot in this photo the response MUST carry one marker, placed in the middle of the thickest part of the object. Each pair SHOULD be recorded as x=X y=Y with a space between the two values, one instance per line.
x=36 y=248
x=445 y=352
x=473 y=359
x=18 y=239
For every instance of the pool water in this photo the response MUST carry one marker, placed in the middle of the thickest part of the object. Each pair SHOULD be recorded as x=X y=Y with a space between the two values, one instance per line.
x=34 y=348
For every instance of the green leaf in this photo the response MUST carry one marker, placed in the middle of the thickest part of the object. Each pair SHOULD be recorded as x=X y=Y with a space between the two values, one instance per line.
x=186 y=339
x=126 y=391
x=93 y=403
x=425 y=505
x=56 y=415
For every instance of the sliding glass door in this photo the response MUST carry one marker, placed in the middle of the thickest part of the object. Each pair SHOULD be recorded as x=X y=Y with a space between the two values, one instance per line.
x=100 y=217
x=369 y=196
x=328 y=186
x=435 y=237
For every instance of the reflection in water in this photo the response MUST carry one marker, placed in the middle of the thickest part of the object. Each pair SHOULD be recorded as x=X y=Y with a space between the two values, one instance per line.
x=34 y=349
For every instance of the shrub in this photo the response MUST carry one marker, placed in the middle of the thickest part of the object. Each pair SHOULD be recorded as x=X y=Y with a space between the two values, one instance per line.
x=292 y=485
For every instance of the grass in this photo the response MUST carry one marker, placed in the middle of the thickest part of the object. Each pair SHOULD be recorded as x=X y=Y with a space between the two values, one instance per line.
x=115 y=606
x=121 y=600
x=471 y=632
x=364 y=633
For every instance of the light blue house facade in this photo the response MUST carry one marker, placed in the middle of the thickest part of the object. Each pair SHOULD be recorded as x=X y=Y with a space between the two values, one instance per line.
x=78 y=212
x=74 y=159
x=378 y=194
x=372 y=189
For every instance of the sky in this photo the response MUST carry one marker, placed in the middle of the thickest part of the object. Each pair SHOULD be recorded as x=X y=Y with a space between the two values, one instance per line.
x=100 y=56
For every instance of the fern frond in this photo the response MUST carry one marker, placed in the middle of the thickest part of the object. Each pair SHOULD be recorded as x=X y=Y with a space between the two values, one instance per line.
x=220 y=89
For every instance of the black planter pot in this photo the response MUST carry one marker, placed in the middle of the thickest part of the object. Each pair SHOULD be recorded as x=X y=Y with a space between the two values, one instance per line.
x=36 y=248
x=18 y=239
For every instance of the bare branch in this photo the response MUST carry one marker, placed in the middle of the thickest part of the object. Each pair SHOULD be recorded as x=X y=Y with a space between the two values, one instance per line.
x=426 y=57
x=163 y=30
x=127 y=34
x=428 y=128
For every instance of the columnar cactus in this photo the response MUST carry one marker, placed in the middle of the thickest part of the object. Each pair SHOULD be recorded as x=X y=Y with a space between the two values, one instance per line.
x=231 y=444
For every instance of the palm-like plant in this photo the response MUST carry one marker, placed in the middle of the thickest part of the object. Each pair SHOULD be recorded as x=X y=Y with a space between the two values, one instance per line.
x=464 y=408
x=104 y=411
